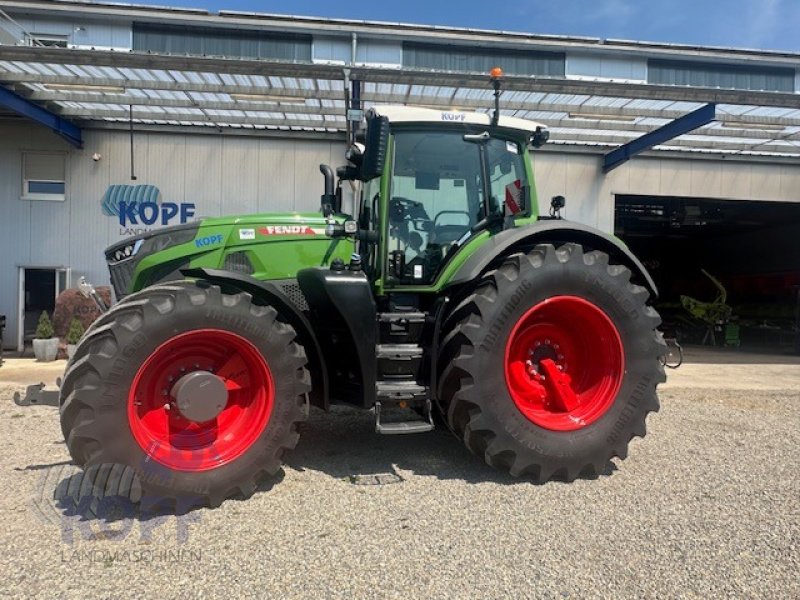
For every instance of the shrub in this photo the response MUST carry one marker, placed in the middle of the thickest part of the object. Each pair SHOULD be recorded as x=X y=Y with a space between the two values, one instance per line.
x=44 y=328
x=75 y=332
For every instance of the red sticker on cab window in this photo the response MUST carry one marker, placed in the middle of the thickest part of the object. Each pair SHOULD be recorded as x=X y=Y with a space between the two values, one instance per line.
x=514 y=197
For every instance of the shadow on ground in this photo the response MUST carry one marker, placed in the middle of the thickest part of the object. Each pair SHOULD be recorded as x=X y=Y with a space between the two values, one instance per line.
x=342 y=444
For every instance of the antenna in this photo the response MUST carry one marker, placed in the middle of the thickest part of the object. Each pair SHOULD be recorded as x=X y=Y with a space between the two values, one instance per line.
x=496 y=75
x=130 y=130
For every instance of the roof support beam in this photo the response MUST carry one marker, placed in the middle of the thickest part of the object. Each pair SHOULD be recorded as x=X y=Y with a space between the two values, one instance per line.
x=324 y=121
x=274 y=106
x=685 y=124
x=66 y=129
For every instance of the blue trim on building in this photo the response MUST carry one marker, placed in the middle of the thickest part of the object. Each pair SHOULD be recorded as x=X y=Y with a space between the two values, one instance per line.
x=66 y=129
x=689 y=122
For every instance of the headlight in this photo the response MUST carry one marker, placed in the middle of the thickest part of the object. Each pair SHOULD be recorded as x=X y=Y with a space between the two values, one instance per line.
x=127 y=251
x=153 y=242
x=169 y=237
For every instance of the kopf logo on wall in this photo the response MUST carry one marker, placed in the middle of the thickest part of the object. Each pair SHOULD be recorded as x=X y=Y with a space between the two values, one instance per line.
x=139 y=208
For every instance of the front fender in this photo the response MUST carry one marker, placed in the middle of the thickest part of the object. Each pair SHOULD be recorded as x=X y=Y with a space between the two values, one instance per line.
x=272 y=294
x=549 y=231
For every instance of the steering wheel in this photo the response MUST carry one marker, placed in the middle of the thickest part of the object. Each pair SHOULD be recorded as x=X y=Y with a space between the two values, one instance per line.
x=401 y=209
x=445 y=234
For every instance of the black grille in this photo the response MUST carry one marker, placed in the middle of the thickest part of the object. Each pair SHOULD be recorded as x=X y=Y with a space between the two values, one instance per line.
x=294 y=293
x=121 y=275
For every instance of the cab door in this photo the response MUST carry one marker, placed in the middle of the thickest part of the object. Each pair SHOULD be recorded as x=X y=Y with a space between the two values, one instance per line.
x=441 y=187
x=435 y=196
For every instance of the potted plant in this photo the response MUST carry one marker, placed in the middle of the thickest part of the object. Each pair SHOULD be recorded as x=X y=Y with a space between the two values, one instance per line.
x=45 y=344
x=74 y=335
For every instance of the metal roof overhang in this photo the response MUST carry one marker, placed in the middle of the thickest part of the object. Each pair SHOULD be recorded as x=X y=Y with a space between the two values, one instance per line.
x=97 y=88
x=30 y=110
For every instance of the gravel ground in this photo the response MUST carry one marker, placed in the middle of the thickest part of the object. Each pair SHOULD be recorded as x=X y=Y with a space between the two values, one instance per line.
x=708 y=505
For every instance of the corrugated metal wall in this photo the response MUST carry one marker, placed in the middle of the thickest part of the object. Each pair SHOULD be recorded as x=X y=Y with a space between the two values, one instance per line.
x=241 y=174
x=590 y=194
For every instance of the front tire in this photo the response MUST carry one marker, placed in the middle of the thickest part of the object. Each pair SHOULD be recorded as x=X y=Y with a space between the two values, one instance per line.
x=119 y=403
x=551 y=363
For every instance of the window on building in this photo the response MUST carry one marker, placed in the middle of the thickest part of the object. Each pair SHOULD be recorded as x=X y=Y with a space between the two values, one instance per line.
x=46 y=39
x=715 y=75
x=44 y=176
x=229 y=43
x=481 y=60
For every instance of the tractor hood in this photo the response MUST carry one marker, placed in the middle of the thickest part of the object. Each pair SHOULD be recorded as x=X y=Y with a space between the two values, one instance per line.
x=265 y=246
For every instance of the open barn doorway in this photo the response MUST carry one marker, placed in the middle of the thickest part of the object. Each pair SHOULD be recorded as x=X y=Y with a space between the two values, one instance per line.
x=728 y=271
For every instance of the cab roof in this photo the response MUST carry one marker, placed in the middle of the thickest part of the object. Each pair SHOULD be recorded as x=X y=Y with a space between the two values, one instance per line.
x=413 y=114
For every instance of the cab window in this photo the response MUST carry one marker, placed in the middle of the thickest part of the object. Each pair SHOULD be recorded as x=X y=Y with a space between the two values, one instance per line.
x=507 y=176
x=435 y=198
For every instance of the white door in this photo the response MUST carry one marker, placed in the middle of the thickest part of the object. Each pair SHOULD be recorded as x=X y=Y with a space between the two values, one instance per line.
x=63 y=277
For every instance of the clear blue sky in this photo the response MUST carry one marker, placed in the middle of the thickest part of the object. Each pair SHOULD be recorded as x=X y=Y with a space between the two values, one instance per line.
x=763 y=24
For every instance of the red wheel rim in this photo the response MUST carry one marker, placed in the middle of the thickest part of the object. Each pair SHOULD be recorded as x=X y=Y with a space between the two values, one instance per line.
x=178 y=443
x=564 y=363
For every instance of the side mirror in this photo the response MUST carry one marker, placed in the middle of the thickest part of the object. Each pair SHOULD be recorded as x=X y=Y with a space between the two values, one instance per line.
x=556 y=204
x=377 y=142
x=355 y=154
x=539 y=137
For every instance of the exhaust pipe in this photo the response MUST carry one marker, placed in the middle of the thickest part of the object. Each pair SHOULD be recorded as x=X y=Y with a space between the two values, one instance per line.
x=327 y=172
x=327 y=199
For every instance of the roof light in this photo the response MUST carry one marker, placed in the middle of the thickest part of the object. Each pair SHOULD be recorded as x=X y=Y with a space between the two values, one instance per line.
x=84 y=87
x=268 y=98
x=751 y=125
x=496 y=73
x=601 y=117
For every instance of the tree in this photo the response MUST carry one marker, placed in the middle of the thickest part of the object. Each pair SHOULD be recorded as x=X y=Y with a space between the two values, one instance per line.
x=75 y=332
x=44 y=328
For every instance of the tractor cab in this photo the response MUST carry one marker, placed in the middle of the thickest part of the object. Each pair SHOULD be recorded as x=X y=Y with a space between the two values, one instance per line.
x=447 y=177
x=432 y=181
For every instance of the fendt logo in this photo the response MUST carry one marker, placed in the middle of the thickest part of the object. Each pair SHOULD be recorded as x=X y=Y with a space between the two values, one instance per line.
x=286 y=230
x=139 y=207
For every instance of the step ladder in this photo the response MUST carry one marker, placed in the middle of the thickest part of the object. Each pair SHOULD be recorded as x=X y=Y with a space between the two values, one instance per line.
x=402 y=404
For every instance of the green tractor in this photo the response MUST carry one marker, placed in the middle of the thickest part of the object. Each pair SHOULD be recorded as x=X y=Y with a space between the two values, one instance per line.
x=446 y=298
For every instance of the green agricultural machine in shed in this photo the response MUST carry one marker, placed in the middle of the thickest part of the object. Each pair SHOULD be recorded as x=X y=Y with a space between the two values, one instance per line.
x=446 y=294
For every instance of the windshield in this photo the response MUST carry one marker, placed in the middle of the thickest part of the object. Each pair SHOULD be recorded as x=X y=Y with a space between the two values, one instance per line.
x=438 y=194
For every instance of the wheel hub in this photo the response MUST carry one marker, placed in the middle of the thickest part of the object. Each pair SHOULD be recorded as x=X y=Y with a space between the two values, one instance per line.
x=200 y=396
x=564 y=363
x=544 y=350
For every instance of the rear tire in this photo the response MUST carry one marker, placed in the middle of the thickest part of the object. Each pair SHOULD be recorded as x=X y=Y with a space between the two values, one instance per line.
x=114 y=397
x=612 y=357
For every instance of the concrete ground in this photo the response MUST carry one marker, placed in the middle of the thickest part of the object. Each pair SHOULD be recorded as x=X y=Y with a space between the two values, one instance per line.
x=708 y=505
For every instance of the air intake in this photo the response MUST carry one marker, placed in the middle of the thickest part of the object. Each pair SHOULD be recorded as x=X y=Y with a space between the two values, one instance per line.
x=238 y=262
